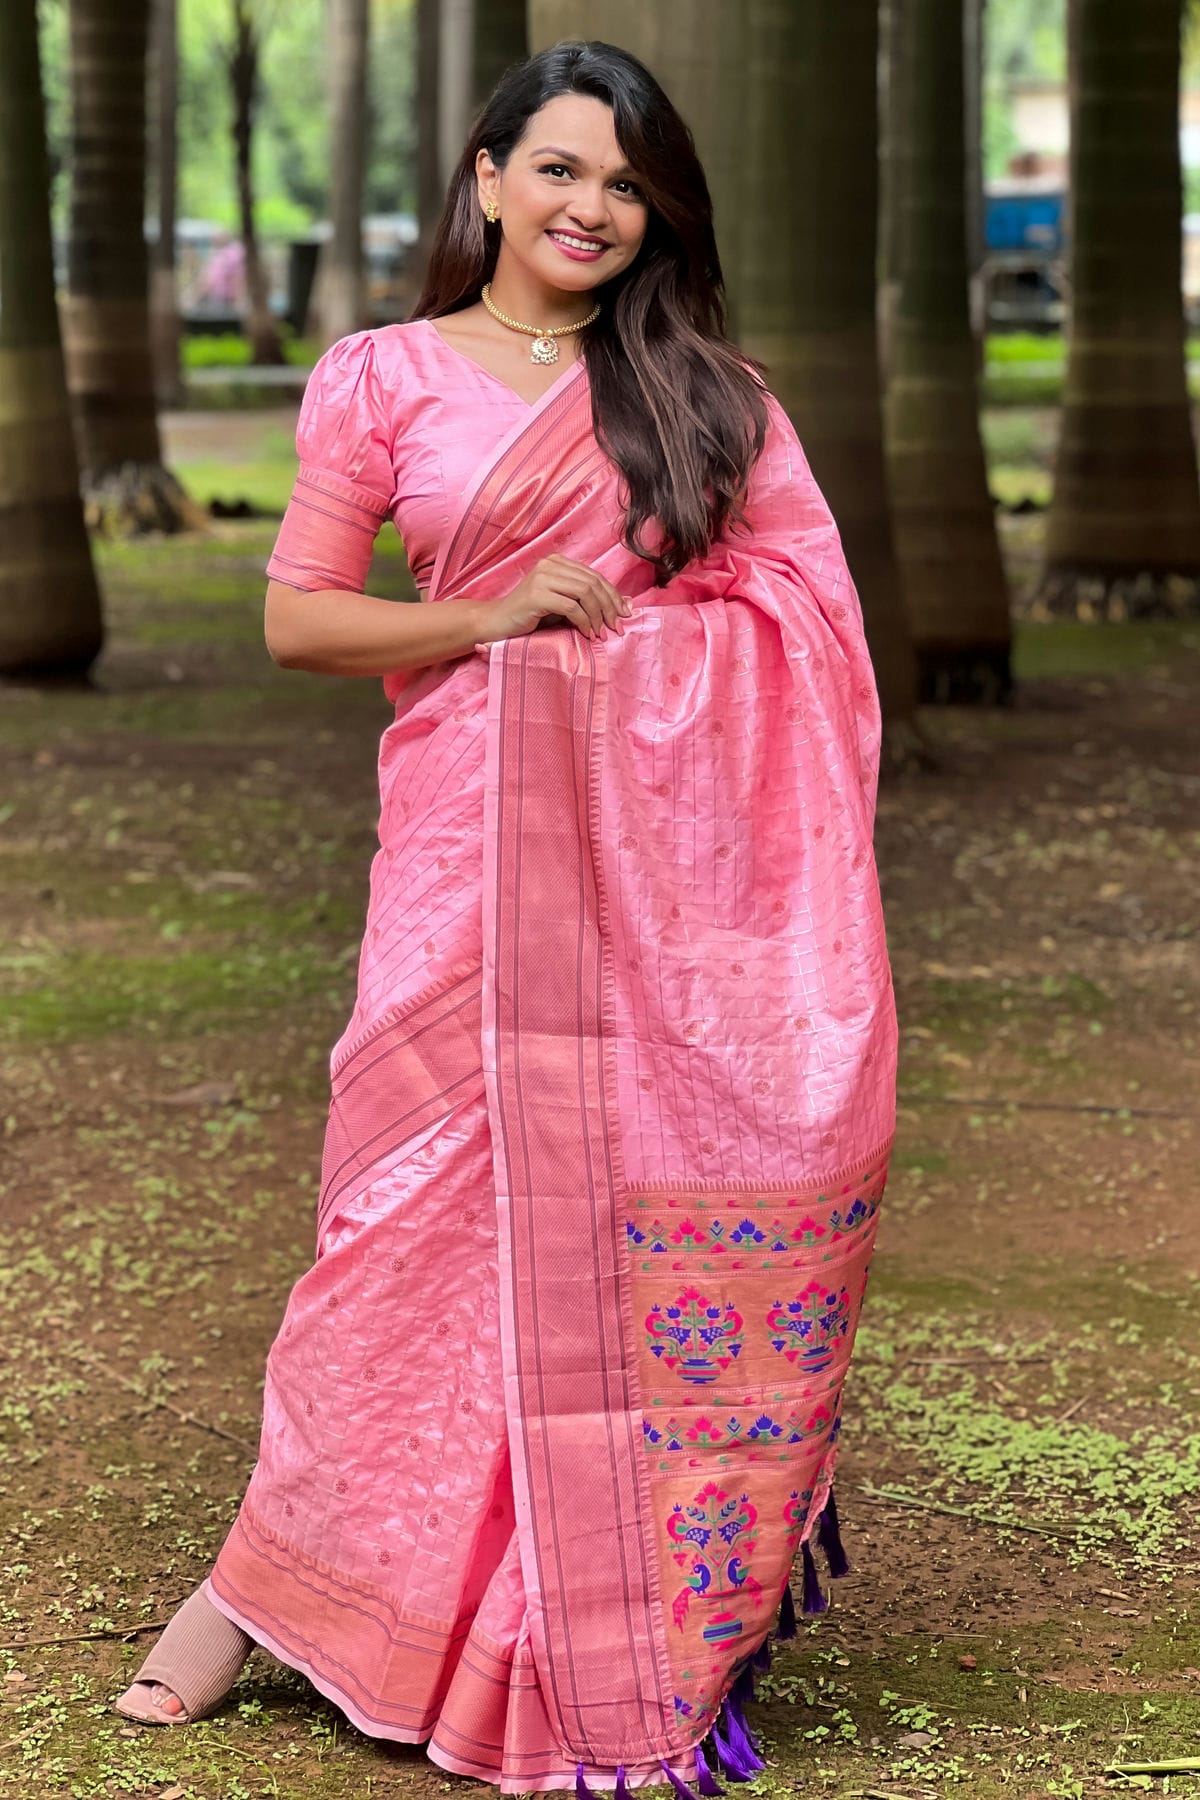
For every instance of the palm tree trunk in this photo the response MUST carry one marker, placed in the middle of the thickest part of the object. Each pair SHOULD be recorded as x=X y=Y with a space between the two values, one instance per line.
x=1123 y=531
x=106 y=310
x=808 y=292
x=696 y=48
x=50 y=618
x=343 y=306
x=956 y=595
x=261 y=329
x=164 y=293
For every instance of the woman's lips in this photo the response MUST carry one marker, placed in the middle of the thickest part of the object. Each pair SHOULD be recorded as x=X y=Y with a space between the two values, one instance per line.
x=579 y=249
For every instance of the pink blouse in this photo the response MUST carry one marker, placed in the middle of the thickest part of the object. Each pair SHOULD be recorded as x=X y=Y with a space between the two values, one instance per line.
x=393 y=424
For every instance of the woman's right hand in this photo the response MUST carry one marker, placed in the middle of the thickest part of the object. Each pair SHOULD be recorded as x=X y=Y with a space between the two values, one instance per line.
x=556 y=586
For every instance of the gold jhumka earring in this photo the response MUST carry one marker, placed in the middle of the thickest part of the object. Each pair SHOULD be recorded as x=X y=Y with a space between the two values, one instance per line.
x=491 y=212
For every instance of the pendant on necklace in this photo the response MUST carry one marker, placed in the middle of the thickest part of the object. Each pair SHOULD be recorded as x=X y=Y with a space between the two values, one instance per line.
x=543 y=350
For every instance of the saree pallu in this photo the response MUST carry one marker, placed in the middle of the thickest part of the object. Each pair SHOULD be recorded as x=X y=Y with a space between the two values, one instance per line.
x=555 y=1412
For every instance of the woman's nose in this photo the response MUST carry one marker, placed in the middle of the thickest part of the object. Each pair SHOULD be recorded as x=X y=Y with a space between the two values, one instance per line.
x=589 y=208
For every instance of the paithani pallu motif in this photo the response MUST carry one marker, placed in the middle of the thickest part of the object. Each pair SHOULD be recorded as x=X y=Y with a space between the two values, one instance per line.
x=673 y=1000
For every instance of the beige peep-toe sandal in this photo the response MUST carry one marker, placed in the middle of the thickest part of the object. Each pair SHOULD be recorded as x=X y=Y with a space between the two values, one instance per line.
x=191 y=1668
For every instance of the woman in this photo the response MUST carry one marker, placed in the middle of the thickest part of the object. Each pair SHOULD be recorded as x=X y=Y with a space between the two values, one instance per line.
x=555 y=1409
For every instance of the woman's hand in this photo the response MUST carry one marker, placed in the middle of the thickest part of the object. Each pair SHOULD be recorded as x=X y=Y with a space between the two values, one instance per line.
x=555 y=587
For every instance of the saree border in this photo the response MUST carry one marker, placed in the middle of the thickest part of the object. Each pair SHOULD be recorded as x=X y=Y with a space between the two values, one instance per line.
x=553 y=1093
x=500 y=473
x=431 y=1045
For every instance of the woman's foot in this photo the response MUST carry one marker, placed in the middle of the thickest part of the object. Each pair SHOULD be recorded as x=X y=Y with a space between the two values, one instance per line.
x=154 y=1704
x=191 y=1668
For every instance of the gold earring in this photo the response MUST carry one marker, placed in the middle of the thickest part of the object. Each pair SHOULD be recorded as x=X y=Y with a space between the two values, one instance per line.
x=491 y=212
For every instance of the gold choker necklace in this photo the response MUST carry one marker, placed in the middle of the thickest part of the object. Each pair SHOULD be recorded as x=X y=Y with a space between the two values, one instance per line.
x=543 y=349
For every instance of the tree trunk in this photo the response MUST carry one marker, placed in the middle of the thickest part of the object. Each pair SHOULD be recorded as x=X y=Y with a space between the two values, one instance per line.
x=164 y=292
x=50 y=618
x=975 y=38
x=343 y=304
x=956 y=595
x=500 y=41
x=456 y=82
x=696 y=48
x=430 y=186
x=1123 y=531
x=891 y=25
x=261 y=329
x=106 y=309
x=808 y=293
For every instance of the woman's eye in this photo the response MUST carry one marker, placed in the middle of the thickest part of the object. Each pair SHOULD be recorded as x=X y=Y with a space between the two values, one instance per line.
x=630 y=188
x=560 y=168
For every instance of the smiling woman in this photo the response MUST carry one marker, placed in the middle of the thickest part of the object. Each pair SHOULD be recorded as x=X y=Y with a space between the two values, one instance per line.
x=555 y=1411
x=554 y=207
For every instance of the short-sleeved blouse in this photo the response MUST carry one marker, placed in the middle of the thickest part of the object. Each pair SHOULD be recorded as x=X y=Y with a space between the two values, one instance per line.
x=393 y=424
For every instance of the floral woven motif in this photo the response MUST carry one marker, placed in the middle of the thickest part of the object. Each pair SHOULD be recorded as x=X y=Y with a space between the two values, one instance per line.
x=687 y=1230
x=728 y=1431
x=742 y=1371
x=808 y=1328
x=693 y=1336
x=713 y=1539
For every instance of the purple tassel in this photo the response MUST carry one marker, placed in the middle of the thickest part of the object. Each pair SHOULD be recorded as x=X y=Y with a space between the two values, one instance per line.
x=581 y=1787
x=731 y=1766
x=622 y=1789
x=678 y=1783
x=741 y=1738
x=787 y=1614
x=830 y=1538
x=813 y=1600
x=762 y=1656
x=706 y=1781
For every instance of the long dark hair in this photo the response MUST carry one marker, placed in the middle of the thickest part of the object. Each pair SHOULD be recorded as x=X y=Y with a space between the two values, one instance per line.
x=674 y=403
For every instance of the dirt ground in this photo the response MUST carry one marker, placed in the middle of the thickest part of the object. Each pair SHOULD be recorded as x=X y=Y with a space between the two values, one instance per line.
x=185 y=861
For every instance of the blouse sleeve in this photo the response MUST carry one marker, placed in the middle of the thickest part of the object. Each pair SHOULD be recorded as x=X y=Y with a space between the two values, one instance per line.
x=346 y=483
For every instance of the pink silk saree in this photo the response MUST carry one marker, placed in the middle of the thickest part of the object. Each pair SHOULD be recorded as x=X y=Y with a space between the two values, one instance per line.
x=555 y=1412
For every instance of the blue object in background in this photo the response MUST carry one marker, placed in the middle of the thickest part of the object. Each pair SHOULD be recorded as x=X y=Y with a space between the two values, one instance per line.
x=1024 y=216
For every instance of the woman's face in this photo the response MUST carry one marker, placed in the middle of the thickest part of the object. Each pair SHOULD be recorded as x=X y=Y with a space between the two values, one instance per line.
x=571 y=212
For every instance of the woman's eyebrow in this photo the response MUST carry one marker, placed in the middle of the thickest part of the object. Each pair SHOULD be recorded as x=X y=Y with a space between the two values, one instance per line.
x=570 y=156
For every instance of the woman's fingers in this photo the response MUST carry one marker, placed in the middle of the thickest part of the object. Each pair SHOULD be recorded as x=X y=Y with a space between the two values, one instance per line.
x=573 y=586
x=609 y=598
x=570 y=606
x=604 y=604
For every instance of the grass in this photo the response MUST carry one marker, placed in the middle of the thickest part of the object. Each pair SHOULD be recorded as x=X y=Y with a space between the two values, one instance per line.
x=993 y=1441
x=230 y=350
x=63 y=996
x=1067 y=647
